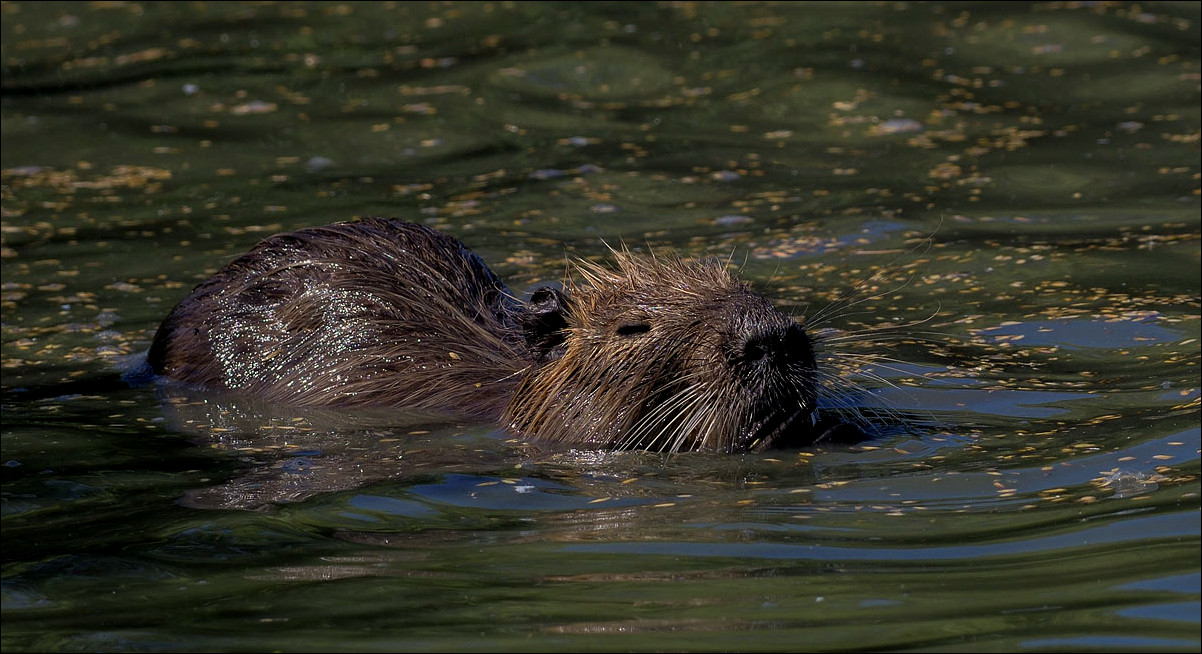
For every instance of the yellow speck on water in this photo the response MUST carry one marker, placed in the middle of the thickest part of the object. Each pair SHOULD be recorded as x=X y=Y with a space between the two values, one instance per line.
x=454 y=356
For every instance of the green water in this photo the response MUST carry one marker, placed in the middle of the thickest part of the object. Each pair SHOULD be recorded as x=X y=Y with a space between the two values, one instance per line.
x=1012 y=187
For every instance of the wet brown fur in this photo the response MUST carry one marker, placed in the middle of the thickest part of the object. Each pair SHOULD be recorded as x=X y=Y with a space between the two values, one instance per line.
x=656 y=353
x=668 y=355
x=369 y=313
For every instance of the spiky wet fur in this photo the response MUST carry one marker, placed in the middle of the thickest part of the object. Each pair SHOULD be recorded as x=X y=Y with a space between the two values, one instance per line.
x=369 y=313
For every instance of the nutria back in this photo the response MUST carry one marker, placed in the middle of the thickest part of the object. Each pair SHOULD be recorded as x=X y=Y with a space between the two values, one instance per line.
x=656 y=353
x=369 y=313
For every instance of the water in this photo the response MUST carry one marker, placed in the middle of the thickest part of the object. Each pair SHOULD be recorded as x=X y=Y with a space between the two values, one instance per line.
x=1013 y=187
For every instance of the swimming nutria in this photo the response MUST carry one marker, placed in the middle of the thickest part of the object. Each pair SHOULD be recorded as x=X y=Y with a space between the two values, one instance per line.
x=657 y=353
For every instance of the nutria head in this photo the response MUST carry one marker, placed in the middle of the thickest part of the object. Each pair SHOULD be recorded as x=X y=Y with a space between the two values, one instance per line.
x=666 y=355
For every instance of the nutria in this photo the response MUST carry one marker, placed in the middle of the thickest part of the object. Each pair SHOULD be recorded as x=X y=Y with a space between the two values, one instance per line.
x=656 y=353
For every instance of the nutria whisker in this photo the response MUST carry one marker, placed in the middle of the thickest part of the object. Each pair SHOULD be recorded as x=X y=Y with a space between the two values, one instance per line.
x=839 y=307
x=846 y=385
x=883 y=332
x=666 y=418
x=861 y=362
x=845 y=389
x=659 y=429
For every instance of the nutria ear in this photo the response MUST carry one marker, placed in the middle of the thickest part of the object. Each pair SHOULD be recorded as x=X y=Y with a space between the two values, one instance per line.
x=544 y=319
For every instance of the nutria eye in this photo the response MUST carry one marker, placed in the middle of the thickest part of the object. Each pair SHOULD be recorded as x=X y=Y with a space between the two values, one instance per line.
x=633 y=328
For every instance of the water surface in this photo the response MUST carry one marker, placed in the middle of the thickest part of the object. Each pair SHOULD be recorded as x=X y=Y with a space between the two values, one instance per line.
x=988 y=211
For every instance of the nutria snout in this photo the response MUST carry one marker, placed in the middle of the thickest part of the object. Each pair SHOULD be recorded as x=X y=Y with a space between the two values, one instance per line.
x=655 y=353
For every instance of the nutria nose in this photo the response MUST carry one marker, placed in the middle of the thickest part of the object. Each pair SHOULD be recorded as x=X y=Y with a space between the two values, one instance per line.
x=782 y=347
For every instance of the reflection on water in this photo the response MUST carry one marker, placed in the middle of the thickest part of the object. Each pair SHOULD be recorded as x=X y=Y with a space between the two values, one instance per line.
x=988 y=211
